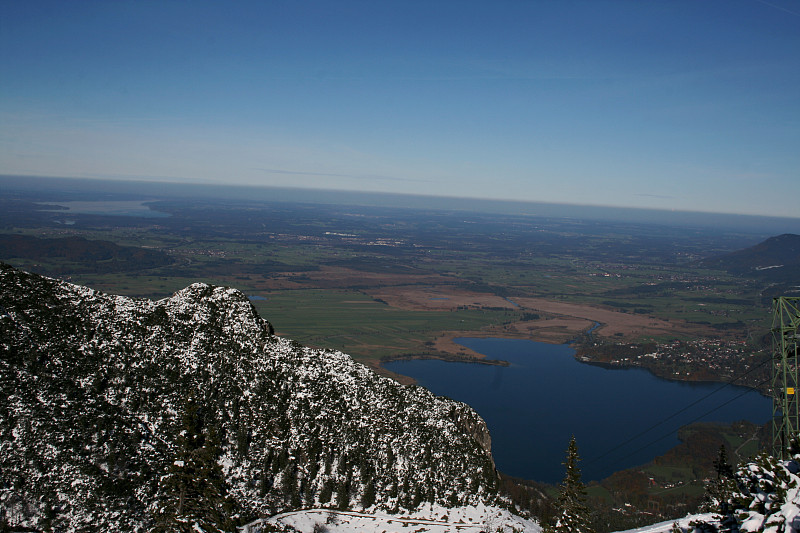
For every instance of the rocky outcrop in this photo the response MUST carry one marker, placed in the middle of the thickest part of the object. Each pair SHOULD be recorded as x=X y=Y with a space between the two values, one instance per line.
x=107 y=401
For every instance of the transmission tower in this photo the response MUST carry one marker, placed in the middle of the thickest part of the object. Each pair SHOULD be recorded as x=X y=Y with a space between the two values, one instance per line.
x=785 y=385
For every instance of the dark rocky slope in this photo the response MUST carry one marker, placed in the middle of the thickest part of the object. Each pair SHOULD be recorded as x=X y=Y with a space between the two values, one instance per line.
x=123 y=414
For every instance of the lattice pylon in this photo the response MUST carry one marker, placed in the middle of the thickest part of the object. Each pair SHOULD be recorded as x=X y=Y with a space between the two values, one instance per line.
x=785 y=385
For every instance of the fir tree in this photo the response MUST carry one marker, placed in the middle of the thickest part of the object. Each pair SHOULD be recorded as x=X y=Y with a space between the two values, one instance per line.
x=368 y=497
x=721 y=465
x=326 y=492
x=343 y=495
x=720 y=491
x=193 y=492
x=573 y=513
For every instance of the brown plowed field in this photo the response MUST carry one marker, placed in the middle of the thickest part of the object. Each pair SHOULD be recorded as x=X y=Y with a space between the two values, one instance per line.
x=560 y=321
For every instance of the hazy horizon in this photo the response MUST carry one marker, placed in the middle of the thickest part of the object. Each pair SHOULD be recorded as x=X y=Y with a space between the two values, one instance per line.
x=144 y=190
x=682 y=105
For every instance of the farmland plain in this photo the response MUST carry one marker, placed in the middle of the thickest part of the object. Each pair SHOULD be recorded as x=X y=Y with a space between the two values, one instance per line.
x=395 y=282
x=382 y=281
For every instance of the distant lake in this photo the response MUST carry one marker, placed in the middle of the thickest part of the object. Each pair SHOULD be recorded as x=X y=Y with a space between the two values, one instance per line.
x=113 y=208
x=535 y=405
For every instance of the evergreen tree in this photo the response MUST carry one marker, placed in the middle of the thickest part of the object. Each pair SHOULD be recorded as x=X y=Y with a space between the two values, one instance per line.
x=326 y=492
x=720 y=491
x=721 y=465
x=193 y=492
x=343 y=495
x=573 y=513
x=368 y=497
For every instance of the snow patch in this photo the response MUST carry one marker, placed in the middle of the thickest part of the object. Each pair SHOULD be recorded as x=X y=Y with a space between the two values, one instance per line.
x=428 y=518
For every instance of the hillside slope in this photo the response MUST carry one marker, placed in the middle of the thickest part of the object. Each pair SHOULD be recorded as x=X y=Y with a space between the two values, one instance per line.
x=759 y=496
x=777 y=259
x=121 y=414
x=79 y=255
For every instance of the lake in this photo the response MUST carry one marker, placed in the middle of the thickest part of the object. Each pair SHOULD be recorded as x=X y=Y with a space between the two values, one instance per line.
x=535 y=405
x=110 y=207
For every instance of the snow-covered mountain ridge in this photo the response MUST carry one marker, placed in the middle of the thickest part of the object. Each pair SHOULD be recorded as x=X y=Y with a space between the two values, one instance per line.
x=122 y=414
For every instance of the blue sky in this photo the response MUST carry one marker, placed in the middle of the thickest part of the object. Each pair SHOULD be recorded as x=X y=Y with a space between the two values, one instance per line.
x=680 y=105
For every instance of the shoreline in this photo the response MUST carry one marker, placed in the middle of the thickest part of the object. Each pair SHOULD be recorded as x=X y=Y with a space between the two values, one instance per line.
x=445 y=348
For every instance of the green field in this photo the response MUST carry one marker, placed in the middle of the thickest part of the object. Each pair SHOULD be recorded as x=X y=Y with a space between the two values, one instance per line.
x=355 y=323
x=346 y=278
x=279 y=252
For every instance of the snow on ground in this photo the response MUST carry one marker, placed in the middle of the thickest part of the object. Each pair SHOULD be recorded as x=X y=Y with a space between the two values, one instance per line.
x=428 y=519
x=666 y=527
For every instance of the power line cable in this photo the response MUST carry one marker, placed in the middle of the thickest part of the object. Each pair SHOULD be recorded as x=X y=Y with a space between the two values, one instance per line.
x=673 y=415
x=664 y=436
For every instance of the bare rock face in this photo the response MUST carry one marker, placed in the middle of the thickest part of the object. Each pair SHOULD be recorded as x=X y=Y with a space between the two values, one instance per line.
x=113 y=410
x=475 y=427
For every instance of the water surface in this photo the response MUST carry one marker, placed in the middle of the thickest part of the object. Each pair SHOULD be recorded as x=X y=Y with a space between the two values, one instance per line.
x=535 y=405
x=112 y=208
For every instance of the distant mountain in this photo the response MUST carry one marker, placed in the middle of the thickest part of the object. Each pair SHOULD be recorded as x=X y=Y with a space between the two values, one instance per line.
x=777 y=260
x=121 y=414
x=76 y=254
